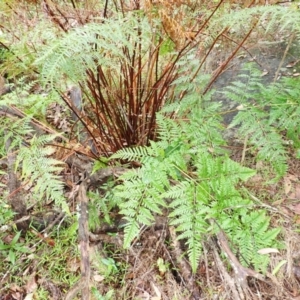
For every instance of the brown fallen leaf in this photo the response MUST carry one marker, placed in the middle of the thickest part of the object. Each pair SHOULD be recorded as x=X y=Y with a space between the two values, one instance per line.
x=278 y=202
x=29 y=296
x=297 y=220
x=156 y=291
x=267 y=251
x=287 y=185
x=256 y=179
x=264 y=73
x=73 y=264
x=287 y=211
x=296 y=209
x=16 y=292
x=293 y=178
x=98 y=278
x=17 y=296
x=295 y=194
x=31 y=284
x=292 y=63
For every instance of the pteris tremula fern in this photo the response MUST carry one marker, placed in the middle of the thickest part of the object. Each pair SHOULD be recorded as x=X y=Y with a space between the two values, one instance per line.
x=189 y=172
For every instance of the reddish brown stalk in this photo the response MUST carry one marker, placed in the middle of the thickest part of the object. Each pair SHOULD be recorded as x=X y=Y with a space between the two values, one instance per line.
x=210 y=16
x=242 y=47
x=121 y=108
x=49 y=9
x=206 y=55
x=225 y=63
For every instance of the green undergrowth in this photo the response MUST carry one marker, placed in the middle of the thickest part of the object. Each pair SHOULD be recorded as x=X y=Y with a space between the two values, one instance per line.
x=31 y=146
x=268 y=117
x=54 y=259
x=188 y=171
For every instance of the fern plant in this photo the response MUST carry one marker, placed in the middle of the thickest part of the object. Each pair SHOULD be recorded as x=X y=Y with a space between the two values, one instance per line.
x=41 y=170
x=33 y=151
x=267 y=113
x=188 y=172
x=127 y=58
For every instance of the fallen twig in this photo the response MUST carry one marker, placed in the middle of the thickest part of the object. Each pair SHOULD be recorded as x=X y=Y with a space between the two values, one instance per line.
x=83 y=284
x=241 y=272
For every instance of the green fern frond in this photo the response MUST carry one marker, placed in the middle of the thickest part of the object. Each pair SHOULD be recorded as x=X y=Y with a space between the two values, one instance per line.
x=263 y=117
x=131 y=231
x=91 y=45
x=137 y=153
x=189 y=214
x=253 y=236
x=267 y=18
x=168 y=129
x=203 y=184
x=41 y=170
x=31 y=105
x=15 y=132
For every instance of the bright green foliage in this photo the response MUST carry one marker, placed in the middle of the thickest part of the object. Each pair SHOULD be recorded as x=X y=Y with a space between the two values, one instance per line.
x=188 y=171
x=6 y=214
x=253 y=227
x=109 y=295
x=14 y=132
x=36 y=165
x=267 y=112
x=12 y=250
